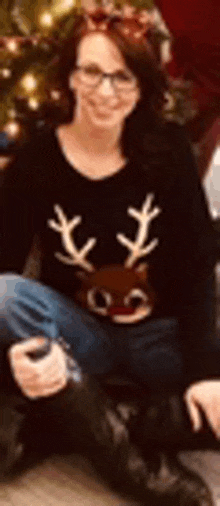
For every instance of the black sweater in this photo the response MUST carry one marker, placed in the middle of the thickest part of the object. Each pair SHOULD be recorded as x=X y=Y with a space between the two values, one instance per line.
x=161 y=204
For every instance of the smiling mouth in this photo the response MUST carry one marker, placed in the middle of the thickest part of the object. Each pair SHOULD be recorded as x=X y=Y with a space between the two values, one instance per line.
x=102 y=110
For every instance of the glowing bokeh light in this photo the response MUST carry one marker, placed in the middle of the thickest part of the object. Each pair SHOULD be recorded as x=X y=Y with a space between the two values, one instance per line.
x=33 y=103
x=12 y=128
x=46 y=20
x=6 y=73
x=29 y=82
x=12 y=45
x=62 y=7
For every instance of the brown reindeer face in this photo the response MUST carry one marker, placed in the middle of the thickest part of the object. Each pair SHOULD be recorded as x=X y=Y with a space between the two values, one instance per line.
x=120 y=292
x=123 y=295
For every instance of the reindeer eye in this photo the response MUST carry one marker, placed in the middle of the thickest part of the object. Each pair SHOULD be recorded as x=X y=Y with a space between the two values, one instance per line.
x=135 y=298
x=99 y=300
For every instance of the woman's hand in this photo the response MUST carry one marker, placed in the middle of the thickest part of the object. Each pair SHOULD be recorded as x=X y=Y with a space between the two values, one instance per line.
x=206 y=396
x=40 y=378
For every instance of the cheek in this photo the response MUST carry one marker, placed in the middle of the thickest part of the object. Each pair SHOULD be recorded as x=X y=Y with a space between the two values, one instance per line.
x=130 y=101
x=129 y=105
x=80 y=90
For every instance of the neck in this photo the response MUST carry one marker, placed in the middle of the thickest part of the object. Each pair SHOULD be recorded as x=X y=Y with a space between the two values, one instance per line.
x=96 y=141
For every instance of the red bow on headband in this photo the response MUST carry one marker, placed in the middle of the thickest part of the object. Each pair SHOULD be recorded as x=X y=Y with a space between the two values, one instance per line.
x=132 y=24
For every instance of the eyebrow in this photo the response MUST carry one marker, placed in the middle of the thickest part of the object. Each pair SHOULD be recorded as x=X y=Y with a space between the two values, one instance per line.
x=95 y=64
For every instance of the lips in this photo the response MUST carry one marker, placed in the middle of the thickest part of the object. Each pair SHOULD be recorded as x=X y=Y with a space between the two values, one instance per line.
x=102 y=110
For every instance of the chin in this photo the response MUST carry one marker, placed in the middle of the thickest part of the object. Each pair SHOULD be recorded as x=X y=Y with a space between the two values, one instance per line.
x=105 y=122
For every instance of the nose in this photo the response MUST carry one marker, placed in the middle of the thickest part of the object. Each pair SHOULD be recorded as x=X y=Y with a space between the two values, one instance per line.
x=106 y=87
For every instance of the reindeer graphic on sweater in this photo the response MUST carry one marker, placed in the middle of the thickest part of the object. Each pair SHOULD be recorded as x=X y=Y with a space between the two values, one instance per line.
x=120 y=292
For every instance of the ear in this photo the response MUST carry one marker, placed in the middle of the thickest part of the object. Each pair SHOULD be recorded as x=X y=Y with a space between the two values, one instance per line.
x=142 y=271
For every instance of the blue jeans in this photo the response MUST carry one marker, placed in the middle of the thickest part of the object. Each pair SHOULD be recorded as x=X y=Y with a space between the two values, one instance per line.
x=147 y=352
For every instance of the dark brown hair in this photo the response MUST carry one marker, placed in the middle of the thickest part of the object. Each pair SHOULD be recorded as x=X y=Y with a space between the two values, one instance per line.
x=143 y=61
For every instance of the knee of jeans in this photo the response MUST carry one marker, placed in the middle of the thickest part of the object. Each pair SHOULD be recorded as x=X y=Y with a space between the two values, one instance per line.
x=8 y=288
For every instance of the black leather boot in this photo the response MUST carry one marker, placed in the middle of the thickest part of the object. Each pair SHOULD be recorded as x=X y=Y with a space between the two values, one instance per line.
x=83 y=419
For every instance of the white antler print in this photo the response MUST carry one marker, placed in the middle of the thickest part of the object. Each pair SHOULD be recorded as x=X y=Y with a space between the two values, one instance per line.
x=65 y=228
x=144 y=217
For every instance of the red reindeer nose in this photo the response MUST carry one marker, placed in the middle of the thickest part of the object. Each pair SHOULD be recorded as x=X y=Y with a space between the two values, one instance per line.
x=120 y=310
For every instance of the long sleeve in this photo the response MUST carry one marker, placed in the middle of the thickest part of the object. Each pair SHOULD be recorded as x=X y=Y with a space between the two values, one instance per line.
x=200 y=344
x=199 y=340
x=17 y=224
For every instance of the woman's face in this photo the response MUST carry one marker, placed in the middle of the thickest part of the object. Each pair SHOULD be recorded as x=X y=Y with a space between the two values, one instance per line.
x=105 y=105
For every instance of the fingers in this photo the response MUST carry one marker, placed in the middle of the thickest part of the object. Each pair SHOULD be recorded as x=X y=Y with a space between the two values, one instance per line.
x=28 y=373
x=42 y=385
x=204 y=396
x=55 y=356
x=42 y=378
x=193 y=411
x=51 y=366
x=17 y=355
x=214 y=418
x=34 y=392
x=211 y=414
x=19 y=349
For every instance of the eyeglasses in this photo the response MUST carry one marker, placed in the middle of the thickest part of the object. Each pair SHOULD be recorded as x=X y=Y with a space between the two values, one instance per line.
x=92 y=76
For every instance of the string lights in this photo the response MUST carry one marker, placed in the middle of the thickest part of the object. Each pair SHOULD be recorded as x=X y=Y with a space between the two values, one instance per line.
x=55 y=94
x=12 y=128
x=12 y=113
x=12 y=45
x=5 y=73
x=46 y=20
x=25 y=95
x=29 y=83
x=33 y=103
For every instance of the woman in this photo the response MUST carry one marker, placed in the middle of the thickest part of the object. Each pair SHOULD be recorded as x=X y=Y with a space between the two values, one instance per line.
x=128 y=250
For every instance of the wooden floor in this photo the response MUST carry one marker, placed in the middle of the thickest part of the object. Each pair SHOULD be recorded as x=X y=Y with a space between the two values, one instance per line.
x=59 y=482
x=207 y=464
x=71 y=481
